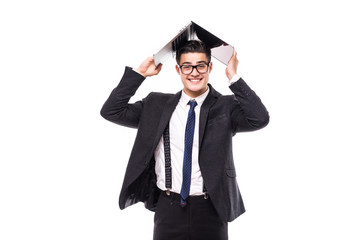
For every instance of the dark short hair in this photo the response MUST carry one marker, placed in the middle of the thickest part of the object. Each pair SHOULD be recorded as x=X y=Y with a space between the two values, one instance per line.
x=191 y=47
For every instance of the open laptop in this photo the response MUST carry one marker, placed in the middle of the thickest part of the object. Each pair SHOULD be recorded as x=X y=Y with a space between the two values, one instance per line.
x=219 y=49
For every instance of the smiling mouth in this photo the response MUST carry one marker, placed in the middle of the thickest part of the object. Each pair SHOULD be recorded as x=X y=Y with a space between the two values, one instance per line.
x=195 y=80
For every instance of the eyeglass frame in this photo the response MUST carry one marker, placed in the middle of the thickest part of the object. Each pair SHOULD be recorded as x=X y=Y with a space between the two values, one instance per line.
x=195 y=66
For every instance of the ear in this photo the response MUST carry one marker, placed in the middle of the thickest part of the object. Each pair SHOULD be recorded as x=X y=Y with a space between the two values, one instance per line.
x=177 y=69
x=210 y=67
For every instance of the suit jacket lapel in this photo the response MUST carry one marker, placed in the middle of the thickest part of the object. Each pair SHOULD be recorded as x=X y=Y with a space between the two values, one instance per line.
x=169 y=108
x=209 y=101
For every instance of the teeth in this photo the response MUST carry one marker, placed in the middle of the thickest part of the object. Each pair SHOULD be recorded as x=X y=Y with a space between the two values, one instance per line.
x=195 y=80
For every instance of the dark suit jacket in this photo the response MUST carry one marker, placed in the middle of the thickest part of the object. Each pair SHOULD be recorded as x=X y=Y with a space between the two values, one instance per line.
x=220 y=118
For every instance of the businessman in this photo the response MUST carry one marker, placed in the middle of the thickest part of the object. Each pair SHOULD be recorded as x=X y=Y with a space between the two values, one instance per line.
x=181 y=165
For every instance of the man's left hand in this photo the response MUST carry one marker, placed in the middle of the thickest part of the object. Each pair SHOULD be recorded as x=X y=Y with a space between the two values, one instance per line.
x=231 y=68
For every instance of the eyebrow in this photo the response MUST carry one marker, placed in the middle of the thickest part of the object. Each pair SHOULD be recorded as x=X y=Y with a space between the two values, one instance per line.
x=189 y=63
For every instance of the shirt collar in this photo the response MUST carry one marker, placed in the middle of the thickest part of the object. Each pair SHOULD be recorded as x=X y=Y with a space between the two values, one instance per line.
x=184 y=99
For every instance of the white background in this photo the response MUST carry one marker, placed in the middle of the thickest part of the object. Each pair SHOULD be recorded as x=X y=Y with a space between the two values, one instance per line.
x=62 y=165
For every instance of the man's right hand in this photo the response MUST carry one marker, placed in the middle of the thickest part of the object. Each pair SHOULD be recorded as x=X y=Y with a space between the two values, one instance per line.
x=148 y=68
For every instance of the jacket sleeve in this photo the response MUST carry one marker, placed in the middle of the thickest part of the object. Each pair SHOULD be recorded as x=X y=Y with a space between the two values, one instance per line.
x=248 y=112
x=117 y=108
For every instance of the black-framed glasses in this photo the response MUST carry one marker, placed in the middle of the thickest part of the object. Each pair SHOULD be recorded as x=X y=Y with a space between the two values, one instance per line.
x=188 y=69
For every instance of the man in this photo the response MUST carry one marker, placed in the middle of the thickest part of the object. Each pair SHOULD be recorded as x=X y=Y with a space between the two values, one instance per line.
x=181 y=165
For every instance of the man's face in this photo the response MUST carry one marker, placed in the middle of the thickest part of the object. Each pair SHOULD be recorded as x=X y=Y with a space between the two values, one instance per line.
x=195 y=83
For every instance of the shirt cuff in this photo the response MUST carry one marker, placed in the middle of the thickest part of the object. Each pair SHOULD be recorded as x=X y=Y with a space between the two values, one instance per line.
x=137 y=72
x=234 y=79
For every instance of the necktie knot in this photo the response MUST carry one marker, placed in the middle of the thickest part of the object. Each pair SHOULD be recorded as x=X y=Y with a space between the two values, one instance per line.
x=192 y=103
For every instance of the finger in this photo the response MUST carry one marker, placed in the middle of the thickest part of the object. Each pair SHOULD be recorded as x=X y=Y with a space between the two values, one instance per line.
x=148 y=61
x=158 y=68
x=235 y=55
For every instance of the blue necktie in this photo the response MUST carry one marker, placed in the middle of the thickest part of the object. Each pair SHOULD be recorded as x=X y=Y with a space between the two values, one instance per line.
x=189 y=137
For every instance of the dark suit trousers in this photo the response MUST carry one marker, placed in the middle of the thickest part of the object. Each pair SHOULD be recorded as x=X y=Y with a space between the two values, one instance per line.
x=197 y=221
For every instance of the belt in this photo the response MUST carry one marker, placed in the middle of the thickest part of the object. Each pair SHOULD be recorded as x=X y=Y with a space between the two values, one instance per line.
x=176 y=197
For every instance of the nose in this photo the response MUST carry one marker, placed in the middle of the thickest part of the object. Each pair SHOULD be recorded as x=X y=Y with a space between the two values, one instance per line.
x=194 y=72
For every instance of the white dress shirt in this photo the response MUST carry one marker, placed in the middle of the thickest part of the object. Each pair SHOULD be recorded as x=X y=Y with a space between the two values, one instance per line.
x=177 y=126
